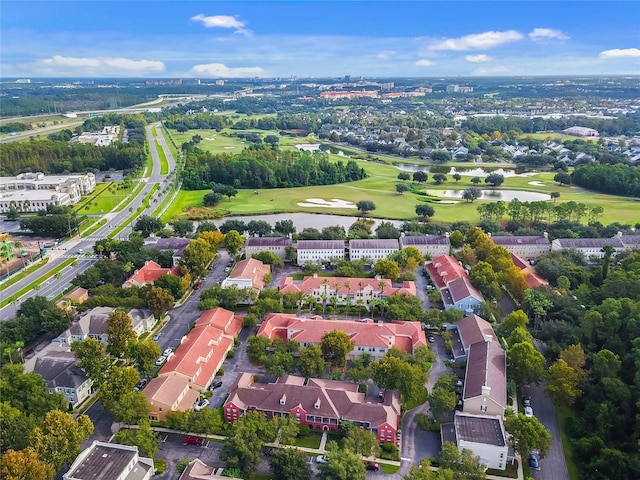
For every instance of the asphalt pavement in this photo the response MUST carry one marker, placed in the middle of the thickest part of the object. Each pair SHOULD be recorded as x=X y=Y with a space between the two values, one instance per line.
x=59 y=255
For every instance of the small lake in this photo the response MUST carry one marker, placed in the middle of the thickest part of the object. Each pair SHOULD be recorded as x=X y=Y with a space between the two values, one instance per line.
x=495 y=195
x=316 y=147
x=306 y=220
x=467 y=172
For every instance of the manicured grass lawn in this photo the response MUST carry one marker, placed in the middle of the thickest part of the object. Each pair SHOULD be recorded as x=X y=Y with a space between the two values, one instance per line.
x=553 y=136
x=108 y=196
x=379 y=187
x=389 y=469
x=164 y=163
x=564 y=414
x=23 y=273
x=311 y=440
x=154 y=132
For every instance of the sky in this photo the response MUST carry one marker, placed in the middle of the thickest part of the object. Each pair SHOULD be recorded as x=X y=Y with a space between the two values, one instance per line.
x=236 y=39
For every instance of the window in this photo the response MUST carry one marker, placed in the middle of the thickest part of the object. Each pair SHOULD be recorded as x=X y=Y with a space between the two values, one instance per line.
x=483 y=408
x=160 y=409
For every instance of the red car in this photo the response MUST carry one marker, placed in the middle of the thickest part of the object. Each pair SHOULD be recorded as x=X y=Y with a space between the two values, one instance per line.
x=193 y=440
x=372 y=466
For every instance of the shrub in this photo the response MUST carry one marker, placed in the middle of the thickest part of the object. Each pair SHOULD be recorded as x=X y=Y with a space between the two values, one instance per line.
x=220 y=372
x=256 y=378
x=236 y=342
x=249 y=321
x=231 y=354
x=423 y=422
x=182 y=464
x=390 y=451
x=362 y=388
x=160 y=464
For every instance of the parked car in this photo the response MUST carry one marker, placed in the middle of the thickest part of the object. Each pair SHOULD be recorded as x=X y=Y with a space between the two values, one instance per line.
x=372 y=466
x=432 y=339
x=156 y=337
x=528 y=412
x=167 y=352
x=216 y=384
x=160 y=361
x=526 y=401
x=140 y=385
x=193 y=440
x=201 y=404
x=534 y=461
x=321 y=459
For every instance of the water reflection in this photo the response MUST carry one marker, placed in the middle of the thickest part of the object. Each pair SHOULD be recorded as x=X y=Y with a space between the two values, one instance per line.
x=505 y=195
x=467 y=172
x=306 y=220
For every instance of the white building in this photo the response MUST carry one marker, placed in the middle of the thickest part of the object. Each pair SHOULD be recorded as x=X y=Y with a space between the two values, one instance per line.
x=276 y=245
x=589 y=247
x=432 y=245
x=35 y=190
x=372 y=249
x=484 y=435
x=581 y=131
x=526 y=246
x=319 y=251
x=110 y=461
x=59 y=370
x=103 y=138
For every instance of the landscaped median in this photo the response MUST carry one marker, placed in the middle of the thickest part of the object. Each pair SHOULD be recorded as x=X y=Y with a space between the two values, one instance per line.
x=36 y=283
x=128 y=221
x=164 y=163
x=23 y=273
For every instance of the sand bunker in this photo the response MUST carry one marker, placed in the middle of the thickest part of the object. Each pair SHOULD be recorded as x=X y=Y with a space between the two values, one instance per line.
x=209 y=138
x=321 y=202
x=229 y=147
x=537 y=184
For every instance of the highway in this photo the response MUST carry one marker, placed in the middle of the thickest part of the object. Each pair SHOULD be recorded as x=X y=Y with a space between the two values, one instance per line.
x=70 y=248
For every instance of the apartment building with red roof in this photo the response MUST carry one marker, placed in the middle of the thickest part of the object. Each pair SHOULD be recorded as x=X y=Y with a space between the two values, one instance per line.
x=320 y=404
x=454 y=284
x=347 y=290
x=373 y=338
x=147 y=274
x=194 y=363
x=532 y=279
x=249 y=273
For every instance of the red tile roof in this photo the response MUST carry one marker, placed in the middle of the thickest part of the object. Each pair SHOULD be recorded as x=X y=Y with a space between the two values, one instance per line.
x=404 y=335
x=346 y=286
x=531 y=278
x=253 y=270
x=149 y=273
x=444 y=269
x=205 y=347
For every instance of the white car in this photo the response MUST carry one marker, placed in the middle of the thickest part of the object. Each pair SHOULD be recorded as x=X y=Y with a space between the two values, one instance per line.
x=160 y=361
x=321 y=459
x=201 y=404
x=167 y=352
x=528 y=412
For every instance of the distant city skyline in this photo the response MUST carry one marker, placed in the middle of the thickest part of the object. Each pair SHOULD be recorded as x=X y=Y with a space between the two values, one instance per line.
x=237 y=39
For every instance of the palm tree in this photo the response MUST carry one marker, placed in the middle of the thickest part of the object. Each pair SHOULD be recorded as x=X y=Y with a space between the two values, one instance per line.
x=608 y=251
x=347 y=304
x=360 y=304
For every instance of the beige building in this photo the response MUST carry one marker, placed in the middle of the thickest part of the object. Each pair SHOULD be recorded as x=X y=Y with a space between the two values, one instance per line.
x=431 y=245
x=319 y=251
x=276 y=245
x=485 y=384
x=528 y=247
x=372 y=249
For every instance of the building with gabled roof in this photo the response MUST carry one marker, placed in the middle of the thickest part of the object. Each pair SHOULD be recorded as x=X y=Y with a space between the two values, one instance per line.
x=169 y=393
x=59 y=370
x=276 y=245
x=630 y=242
x=373 y=338
x=148 y=274
x=248 y=273
x=431 y=245
x=198 y=470
x=110 y=461
x=467 y=331
x=532 y=279
x=453 y=282
x=195 y=362
x=175 y=244
x=347 y=290
x=92 y=324
x=485 y=385
x=320 y=404
x=483 y=435
x=320 y=251
x=75 y=297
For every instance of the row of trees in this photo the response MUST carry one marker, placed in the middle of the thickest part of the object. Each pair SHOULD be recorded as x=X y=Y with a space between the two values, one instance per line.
x=611 y=179
x=519 y=211
x=265 y=167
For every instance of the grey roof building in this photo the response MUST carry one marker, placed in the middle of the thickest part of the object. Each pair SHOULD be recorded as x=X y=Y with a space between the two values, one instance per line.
x=61 y=374
x=110 y=461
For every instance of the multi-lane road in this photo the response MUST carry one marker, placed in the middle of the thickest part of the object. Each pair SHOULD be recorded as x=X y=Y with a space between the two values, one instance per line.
x=55 y=286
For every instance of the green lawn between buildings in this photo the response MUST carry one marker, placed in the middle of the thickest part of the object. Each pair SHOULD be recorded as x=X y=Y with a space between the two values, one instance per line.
x=109 y=195
x=379 y=187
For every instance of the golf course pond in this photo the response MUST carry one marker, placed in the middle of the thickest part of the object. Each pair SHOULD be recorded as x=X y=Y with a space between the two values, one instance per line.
x=495 y=195
x=467 y=172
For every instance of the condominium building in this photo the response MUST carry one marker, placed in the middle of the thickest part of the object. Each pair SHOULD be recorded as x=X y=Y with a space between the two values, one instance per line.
x=320 y=251
x=372 y=249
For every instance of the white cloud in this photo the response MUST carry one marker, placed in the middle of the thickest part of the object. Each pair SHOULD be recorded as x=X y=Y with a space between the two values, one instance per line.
x=424 y=63
x=109 y=66
x=544 y=33
x=482 y=58
x=386 y=55
x=221 y=70
x=477 y=41
x=221 y=21
x=620 y=53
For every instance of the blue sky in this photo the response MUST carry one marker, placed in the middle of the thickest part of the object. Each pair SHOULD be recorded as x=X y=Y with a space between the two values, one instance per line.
x=205 y=39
